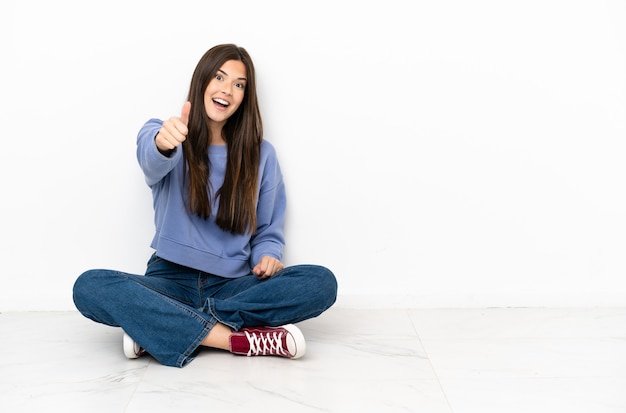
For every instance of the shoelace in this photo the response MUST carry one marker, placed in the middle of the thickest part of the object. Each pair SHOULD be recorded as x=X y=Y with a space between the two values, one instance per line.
x=269 y=343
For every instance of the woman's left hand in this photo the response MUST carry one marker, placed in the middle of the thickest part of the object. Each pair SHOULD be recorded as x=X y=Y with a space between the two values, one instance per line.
x=267 y=267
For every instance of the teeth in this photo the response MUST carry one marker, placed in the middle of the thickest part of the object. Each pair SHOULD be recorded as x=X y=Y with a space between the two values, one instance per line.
x=221 y=102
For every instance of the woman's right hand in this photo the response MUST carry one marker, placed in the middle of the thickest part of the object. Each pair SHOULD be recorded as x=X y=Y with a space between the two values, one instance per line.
x=174 y=131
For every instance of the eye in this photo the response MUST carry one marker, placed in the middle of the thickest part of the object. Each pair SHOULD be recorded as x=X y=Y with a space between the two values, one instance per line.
x=240 y=85
x=219 y=77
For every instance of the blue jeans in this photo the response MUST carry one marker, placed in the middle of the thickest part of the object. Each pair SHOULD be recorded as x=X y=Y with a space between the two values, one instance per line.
x=170 y=310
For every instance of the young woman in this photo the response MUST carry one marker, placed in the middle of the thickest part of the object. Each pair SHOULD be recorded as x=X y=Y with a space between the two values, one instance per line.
x=216 y=278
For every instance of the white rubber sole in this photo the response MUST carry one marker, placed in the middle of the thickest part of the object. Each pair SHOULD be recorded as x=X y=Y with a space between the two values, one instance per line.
x=131 y=348
x=297 y=347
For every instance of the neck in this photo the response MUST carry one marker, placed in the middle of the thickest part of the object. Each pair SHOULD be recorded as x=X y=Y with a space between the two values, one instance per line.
x=216 y=134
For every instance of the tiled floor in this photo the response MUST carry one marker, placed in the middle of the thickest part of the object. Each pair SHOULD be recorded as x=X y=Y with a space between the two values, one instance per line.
x=502 y=360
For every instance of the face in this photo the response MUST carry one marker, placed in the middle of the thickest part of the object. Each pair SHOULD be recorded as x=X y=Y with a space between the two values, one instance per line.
x=225 y=91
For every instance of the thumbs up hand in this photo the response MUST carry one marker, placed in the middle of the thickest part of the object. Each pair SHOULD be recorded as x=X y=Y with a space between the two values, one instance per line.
x=174 y=131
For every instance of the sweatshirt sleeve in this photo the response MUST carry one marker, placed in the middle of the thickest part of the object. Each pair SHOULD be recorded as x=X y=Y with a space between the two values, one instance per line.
x=269 y=238
x=154 y=164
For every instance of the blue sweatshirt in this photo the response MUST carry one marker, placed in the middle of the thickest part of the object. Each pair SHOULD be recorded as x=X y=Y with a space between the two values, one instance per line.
x=185 y=238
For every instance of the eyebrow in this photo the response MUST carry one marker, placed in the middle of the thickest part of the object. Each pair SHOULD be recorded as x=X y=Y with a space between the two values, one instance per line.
x=239 y=78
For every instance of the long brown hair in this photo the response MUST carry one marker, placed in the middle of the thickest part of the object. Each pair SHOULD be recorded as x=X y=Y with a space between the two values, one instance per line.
x=242 y=132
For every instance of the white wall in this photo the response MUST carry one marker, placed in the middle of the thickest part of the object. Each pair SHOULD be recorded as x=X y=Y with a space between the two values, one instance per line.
x=437 y=153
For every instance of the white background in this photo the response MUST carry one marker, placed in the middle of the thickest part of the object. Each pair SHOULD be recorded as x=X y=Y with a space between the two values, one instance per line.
x=436 y=153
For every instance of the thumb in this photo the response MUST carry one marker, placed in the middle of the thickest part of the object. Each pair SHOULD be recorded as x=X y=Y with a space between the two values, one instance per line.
x=184 y=115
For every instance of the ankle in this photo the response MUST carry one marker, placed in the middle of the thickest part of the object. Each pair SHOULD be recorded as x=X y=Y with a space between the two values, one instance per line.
x=218 y=337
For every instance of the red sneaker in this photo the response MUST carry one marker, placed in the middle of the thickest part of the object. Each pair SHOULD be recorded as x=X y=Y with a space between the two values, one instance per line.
x=285 y=341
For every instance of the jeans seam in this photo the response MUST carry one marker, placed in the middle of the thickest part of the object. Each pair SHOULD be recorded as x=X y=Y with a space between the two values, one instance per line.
x=211 y=310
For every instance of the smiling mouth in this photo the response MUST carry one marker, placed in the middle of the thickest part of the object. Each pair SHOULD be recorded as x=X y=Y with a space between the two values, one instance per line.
x=221 y=102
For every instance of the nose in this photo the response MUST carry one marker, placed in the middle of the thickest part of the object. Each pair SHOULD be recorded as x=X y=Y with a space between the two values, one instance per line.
x=227 y=90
